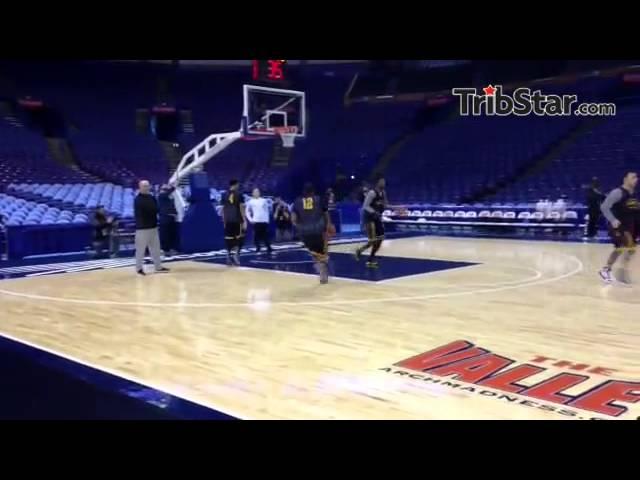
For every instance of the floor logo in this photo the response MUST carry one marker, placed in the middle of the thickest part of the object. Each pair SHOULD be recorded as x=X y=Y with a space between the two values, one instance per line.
x=491 y=100
x=492 y=375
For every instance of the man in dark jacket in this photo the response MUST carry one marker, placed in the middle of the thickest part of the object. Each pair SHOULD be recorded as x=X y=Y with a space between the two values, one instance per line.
x=146 y=212
x=168 y=220
x=594 y=199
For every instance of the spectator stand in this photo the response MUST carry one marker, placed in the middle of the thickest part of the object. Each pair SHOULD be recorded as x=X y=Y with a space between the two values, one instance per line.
x=495 y=217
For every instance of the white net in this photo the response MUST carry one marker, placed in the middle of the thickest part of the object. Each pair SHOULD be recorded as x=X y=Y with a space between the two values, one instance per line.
x=288 y=135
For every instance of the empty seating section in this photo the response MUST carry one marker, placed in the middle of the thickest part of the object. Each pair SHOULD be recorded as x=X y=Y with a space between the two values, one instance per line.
x=99 y=105
x=351 y=139
x=24 y=157
x=17 y=211
x=215 y=101
x=247 y=161
x=82 y=198
x=522 y=215
x=120 y=157
x=106 y=143
x=455 y=159
x=609 y=148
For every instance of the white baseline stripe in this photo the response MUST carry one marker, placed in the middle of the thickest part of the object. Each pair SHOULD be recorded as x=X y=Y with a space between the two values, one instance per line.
x=81 y=301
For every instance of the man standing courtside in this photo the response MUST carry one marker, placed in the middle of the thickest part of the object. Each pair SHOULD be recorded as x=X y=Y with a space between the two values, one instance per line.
x=235 y=223
x=621 y=209
x=258 y=215
x=374 y=204
x=146 y=214
x=168 y=220
x=313 y=224
x=594 y=200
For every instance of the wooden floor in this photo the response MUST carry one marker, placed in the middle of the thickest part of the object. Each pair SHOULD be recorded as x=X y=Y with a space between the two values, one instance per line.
x=261 y=344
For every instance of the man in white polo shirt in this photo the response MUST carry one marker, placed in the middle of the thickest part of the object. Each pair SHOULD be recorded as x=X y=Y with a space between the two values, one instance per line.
x=258 y=215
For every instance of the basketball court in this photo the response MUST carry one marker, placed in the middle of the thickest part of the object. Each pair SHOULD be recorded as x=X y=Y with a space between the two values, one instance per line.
x=445 y=328
x=267 y=341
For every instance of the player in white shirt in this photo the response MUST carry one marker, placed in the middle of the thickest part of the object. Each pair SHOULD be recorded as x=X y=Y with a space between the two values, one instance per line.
x=258 y=215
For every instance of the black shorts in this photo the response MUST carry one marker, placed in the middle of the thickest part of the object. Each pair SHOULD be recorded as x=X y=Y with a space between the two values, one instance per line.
x=315 y=243
x=233 y=230
x=622 y=237
x=374 y=229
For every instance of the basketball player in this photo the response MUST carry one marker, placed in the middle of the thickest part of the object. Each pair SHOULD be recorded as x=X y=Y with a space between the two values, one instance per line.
x=374 y=204
x=621 y=209
x=235 y=222
x=311 y=218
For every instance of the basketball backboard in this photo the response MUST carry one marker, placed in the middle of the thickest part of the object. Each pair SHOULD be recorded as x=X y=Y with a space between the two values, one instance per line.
x=267 y=109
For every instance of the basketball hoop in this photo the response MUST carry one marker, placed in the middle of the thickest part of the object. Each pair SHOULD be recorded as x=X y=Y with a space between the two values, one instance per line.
x=287 y=134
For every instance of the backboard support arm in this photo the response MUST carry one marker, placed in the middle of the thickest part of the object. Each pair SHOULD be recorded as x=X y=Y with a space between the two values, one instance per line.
x=195 y=159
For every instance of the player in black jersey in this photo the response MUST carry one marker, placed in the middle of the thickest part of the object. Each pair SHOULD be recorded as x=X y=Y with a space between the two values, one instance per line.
x=621 y=210
x=235 y=222
x=310 y=215
x=374 y=204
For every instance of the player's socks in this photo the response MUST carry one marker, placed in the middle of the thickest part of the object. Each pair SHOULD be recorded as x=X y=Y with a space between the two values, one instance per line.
x=324 y=272
x=360 y=250
x=230 y=243
x=373 y=261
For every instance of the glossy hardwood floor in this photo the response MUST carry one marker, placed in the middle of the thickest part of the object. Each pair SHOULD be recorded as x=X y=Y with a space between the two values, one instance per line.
x=262 y=344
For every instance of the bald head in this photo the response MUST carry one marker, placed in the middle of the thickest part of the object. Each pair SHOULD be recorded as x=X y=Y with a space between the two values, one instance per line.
x=144 y=186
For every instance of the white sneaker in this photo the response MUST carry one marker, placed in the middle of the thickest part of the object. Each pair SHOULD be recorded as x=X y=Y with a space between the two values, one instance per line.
x=605 y=275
